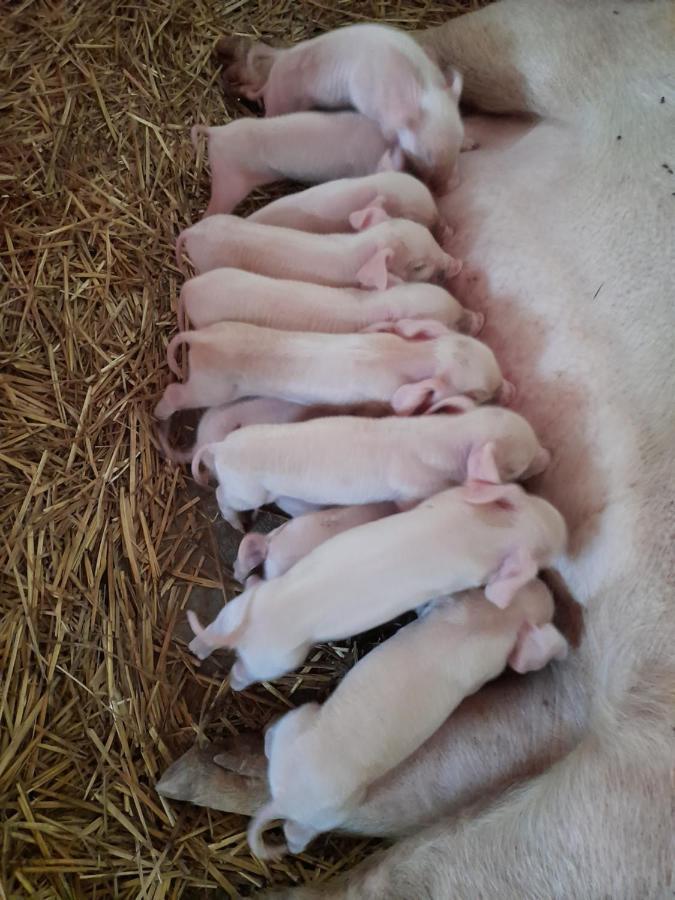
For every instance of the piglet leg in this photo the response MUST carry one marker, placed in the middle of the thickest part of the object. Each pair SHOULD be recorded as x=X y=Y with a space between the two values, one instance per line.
x=537 y=645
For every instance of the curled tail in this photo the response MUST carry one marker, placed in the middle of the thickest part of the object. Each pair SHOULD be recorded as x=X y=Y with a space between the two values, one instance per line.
x=226 y=629
x=172 y=453
x=199 y=456
x=195 y=132
x=269 y=813
x=183 y=337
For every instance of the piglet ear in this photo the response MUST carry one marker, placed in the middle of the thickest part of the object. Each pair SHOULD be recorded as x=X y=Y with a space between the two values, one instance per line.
x=452 y=406
x=536 y=646
x=410 y=398
x=373 y=273
x=373 y=214
x=455 y=83
x=252 y=552
x=516 y=570
x=480 y=492
x=481 y=465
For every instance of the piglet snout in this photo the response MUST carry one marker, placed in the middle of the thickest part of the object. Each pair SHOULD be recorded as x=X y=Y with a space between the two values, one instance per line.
x=506 y=393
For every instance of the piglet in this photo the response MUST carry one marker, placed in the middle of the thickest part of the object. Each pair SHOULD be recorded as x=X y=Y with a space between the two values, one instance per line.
x=377 y=257
x=230 y=360
x=279 y=550
x=384 y=74
x=306 y=147
x=478 y=534
x=341 y=205
x=346 y=460
x=235 y=295
x=394 y=699
x=216 y=423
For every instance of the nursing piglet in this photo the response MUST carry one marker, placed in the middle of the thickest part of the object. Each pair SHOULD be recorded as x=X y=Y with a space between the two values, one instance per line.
x=216 y=423
x=280 y=549
x=346 y=460
x=479 y=534
x=377 y=257
x=394 y=699
x=235 y=295
x=230 y=360
x=382 y=73
x=307 y=147
x=340 y=205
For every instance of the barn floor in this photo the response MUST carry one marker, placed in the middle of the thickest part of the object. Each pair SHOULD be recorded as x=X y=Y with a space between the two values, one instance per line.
x=103 y=542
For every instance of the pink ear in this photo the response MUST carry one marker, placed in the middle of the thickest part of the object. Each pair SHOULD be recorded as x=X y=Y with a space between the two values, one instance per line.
x=252 y=551
x=410 y=397
x=452 y=406
x=373 y=214
x=455 y=83
x=536 y=646
x=481 y=465
x=517 y=569
x=373 y=274
x=479 y=492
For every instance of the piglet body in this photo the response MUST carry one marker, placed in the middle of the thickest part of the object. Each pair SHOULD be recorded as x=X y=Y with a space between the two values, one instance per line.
x=306 y=147
x=479 y=534
x=232 y=360
x=339 y=205
x=394 y=699
x=279 y=550
x=384 y=74
x=346 y=460
x=376 y=257
x=238 y=296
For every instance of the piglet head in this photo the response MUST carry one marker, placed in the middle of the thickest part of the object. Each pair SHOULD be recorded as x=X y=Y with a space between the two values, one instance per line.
x=433 y=139
x=417 y=255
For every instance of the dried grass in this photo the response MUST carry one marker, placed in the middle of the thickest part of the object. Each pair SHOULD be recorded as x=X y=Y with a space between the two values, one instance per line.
x=103 y=543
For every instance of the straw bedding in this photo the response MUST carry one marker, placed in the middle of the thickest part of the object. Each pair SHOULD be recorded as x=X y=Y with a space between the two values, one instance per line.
x=104 y=544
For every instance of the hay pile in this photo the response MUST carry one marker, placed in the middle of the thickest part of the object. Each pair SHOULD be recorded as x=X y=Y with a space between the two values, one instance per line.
x=103 y=543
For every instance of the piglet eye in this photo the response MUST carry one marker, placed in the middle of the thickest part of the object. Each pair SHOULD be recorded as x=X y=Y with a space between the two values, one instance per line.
x=419 y=266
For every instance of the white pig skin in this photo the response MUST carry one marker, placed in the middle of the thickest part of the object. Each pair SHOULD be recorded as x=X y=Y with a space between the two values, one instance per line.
x=394 y=699
x=236 y=295
x=230 y=360
x=480 y=534
x=559 y=784
x=384 y=74
x=306 y=147
x=376 y=257
x=348 y=460
x=338 y=205
x=280 y=549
